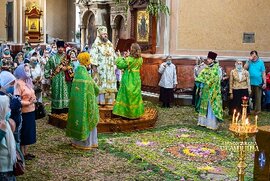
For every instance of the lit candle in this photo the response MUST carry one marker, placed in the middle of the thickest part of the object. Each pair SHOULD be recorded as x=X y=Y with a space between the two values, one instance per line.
x=233 y=118
x=256 y=120
x=238 y=114
x=246 y=125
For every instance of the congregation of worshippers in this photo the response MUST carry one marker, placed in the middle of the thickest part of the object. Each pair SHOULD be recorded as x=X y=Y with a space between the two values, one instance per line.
x=78 y=82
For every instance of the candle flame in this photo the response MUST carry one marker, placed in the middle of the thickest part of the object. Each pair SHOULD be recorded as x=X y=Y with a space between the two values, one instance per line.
x=247 y=122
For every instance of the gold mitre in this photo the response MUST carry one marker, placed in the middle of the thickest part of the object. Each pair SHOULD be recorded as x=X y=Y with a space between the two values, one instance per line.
x=102 y=30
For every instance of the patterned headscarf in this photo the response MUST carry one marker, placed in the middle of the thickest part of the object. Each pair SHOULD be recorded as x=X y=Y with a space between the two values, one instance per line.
x=21 y=74
x=84 y=58
x=10 y=141
x=6 y=78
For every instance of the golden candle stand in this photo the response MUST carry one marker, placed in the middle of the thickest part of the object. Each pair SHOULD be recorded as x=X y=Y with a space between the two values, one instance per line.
x=243 y=130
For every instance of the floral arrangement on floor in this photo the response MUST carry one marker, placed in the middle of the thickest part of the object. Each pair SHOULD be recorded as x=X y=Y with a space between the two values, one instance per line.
x=186 y=152
x=198 y=152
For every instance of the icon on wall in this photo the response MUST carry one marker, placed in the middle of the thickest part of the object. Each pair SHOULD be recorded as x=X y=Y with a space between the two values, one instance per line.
x=33 y=25
x=33 y=28
x=142 y=26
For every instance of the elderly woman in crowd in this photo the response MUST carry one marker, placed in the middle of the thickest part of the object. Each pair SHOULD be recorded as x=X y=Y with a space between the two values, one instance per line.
x=18 y=59
x=45 y=82
x=36 y=75
x=6 y=62
x=239 y=86
x=200 y=65
x=7 y=141
x=7 y=84
x=24 y=88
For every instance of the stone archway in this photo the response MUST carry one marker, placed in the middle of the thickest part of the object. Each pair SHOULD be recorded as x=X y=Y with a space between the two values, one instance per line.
x=91 y=30
x=85 y=30
x=119 y=29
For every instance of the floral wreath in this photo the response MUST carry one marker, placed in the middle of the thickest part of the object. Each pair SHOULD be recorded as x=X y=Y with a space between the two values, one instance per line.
x=197 y=152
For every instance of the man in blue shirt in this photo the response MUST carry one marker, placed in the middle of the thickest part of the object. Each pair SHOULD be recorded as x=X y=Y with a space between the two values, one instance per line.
x=256 y=69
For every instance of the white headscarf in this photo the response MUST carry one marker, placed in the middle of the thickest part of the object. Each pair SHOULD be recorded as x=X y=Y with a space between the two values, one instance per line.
x=6 y=78
x=9 y=141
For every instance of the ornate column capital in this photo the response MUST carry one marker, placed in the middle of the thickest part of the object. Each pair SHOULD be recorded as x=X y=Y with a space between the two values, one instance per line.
x=82 y=26
x=113 y=26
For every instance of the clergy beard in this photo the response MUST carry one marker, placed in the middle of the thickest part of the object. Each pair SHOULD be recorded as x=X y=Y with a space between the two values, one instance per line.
x=104 y=39
x=60 y=52
x=211 y=64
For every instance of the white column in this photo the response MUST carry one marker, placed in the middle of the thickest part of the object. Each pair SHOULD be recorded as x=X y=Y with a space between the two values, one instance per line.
x=113 y=35
x=159 y=22
x=77 y=24
x=15 y=27
x=44 y=20
x=83 y=32
x=21 y=21
x=167 y=30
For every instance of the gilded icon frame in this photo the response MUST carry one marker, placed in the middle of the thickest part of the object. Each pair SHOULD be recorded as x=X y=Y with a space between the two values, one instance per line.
x=33 y=25
x=143 y=26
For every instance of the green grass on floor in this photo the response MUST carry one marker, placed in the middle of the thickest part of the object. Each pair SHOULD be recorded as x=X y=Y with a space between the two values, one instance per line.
x=120 y=158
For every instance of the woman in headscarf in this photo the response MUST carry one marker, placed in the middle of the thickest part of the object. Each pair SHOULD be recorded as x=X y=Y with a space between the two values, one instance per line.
x=36 y=76
x=239 y=87
x=83 y=114
x=7 y=60
x=24 y=88
x=45 y=82
x=7 y=141
x=18 y=59
x=7 y=84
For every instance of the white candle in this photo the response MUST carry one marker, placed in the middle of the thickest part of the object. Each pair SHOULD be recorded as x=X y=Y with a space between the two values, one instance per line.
x=238 y=114
x=256 y=120
x=246 y=125
x=233 y=118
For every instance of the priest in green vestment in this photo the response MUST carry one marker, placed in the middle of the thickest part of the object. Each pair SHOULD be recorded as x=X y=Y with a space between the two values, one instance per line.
x=83 y=115
x=129 y=103
x=55 y=71
x=209 y=103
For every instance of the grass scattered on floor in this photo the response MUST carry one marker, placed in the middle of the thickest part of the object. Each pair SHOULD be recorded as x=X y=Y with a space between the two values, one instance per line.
x=57 y=160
